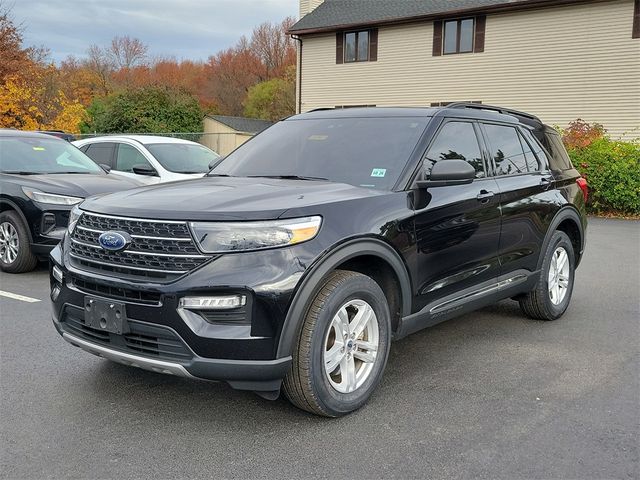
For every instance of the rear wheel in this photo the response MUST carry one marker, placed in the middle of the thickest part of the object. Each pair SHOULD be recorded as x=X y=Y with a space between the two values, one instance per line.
x=551 y=297
x=343 y=347
x=15 y=249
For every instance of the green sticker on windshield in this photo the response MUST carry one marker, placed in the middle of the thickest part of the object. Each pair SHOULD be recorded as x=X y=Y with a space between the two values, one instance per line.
x=39 y=149
x=378 y=172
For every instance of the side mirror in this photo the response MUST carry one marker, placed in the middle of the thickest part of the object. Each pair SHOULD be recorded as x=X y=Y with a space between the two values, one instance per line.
x=449 y=172
x=144 y=170
x=105 y=167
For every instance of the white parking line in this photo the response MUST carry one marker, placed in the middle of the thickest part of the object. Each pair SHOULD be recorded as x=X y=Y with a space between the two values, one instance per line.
x=15 y=296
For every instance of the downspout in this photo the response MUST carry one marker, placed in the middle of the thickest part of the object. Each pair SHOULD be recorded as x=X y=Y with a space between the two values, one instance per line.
x=299 y=40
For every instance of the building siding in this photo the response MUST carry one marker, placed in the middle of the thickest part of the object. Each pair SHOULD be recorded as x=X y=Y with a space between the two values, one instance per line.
x=560 y=63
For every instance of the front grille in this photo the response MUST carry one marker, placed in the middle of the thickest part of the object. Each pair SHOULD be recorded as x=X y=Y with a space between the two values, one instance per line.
x=116 y=293
x=159 y=250
x=143 y=339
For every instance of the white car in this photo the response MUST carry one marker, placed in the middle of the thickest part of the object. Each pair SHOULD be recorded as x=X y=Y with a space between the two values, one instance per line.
x=149 y=159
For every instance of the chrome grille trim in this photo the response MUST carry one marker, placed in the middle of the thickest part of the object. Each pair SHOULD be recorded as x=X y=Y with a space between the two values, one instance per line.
x=133 y=219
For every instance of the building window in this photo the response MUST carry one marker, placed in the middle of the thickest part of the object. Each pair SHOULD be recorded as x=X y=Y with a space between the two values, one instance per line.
x=459 y=36
x=361 y=46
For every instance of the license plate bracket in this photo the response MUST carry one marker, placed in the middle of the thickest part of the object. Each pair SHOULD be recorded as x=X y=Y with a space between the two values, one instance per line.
x=105 y=315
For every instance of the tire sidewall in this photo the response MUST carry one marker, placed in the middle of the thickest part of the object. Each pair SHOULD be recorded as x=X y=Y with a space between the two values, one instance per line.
x=362 y=288
x=559 y=239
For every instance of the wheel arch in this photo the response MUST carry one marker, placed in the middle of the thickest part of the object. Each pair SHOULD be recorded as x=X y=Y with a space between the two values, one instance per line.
x=7 y=204
x=567 y=220
x=370 y=256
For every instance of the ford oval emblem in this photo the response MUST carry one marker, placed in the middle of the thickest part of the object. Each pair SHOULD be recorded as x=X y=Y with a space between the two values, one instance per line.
x=114 y=241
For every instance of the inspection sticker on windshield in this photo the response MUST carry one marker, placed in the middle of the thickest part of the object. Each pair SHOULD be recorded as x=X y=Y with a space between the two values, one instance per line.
x=378 y=172
x=39 y=149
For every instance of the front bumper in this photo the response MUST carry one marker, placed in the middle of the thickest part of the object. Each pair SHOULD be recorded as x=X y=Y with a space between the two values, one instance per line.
x=163 y=340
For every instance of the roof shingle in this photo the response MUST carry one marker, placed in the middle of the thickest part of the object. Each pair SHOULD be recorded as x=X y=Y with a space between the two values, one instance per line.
x=341 y=13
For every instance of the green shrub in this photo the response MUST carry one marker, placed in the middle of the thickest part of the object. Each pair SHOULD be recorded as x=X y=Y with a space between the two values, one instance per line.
x=612 y=170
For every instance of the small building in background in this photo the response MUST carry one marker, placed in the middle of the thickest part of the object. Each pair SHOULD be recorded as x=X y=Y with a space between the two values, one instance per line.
x=223 y=134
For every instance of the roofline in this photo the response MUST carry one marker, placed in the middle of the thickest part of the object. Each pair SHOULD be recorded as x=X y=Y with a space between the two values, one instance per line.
x=241 y=132
x=503 y=7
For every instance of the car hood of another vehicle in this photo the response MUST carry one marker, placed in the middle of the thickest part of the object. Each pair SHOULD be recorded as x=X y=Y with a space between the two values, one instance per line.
x=74 y=185
x=228 y=198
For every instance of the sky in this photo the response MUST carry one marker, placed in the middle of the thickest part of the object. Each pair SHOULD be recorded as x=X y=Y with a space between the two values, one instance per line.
x=183 y=29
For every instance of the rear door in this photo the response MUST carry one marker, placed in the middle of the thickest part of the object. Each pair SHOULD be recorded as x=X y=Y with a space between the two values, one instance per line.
x=526 y=192
x=457 y=227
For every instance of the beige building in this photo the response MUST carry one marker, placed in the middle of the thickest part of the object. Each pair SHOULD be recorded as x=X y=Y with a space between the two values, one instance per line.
x=560 y=60
x=224 y=134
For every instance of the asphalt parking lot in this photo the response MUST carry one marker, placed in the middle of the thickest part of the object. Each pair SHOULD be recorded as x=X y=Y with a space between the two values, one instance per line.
x=488 y=395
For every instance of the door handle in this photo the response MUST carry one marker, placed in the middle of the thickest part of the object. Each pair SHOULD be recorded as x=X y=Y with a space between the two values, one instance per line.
x=545 y=182
x=484 y=196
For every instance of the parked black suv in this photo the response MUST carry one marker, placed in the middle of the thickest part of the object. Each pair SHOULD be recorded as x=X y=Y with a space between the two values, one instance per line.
x=41 y=178
x=312 y=246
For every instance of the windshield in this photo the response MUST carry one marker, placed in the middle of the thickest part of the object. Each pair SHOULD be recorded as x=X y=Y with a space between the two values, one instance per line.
x=365 y=152
x=34 y=155
x=183 y=157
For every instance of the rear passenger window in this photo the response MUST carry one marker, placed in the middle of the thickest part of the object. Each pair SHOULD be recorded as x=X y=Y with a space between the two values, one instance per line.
x=456 y=140
x=537 y=148
x=560 y=159
x=101 y=152
x=510 y=152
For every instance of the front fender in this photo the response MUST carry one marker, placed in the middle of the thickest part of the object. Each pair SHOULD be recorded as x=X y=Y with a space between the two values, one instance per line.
x=312 y=282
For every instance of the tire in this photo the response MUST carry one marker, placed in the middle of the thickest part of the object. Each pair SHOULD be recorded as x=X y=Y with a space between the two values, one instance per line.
x=309 y=385
x=15 y=249
x=545 y=302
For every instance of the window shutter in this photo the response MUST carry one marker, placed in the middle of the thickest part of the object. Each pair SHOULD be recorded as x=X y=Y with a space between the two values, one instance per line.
x=437 y=38
x=636 y=19
x=481 y=24
x=339 y=47
x=373 y=45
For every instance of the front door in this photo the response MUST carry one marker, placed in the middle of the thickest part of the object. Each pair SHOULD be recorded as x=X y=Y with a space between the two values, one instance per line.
x=457 y=227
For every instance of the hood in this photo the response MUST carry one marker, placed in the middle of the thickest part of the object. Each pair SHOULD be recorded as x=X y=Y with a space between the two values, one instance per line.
x=216 y=198
x=75 y=185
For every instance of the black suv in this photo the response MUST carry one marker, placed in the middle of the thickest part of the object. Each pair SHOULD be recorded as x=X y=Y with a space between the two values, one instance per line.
x=41 y=179
x=299 y=258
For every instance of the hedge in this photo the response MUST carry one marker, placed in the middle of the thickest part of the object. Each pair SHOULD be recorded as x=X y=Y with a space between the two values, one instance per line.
x=611 y=167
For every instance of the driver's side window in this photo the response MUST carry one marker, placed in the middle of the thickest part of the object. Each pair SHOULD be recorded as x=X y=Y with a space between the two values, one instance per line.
x=455 y=140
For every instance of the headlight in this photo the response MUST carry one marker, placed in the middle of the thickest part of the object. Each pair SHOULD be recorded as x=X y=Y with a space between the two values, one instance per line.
x=50 y=198
x=220 y=237
x=74 y=216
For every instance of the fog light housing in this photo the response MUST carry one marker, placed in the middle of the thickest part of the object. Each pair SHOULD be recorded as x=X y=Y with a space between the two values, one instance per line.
x=55 y=292
x=57 y=274
x=221 y=302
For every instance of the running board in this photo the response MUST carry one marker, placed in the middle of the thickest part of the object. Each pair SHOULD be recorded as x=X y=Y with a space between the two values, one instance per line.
x=466 y=301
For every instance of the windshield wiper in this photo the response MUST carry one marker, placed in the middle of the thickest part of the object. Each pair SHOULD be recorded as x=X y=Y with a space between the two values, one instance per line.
x=68 y=173
x=290 y=177
x=218 y=175
x=19 y=172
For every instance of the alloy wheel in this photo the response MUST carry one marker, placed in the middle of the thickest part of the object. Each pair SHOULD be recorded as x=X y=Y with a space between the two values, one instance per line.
x=9 y=243
x=351 y=346
x=558 y=280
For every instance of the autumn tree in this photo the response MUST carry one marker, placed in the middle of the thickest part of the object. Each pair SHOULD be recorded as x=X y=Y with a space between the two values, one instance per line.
x=275 y=49
x=13 y=57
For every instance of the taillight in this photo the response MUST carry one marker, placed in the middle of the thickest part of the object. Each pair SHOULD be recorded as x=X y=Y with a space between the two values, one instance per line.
x=582 y=183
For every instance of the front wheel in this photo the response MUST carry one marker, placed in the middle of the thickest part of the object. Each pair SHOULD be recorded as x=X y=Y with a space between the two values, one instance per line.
x=551 y=297
x=15 y=250
x=343 y=346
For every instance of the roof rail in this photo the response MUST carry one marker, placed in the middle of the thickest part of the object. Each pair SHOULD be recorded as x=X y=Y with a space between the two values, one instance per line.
x=321 y=109
x=505 y=111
